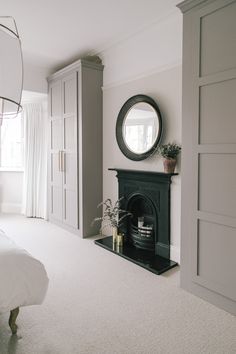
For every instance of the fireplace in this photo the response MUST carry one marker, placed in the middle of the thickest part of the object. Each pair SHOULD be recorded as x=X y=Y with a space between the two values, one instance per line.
x=147 y=233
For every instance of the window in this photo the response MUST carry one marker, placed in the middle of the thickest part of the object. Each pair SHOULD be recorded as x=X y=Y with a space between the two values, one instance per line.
x=11 y=143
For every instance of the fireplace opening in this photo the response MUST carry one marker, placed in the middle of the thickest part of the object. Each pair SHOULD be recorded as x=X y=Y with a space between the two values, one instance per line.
x=142 y=226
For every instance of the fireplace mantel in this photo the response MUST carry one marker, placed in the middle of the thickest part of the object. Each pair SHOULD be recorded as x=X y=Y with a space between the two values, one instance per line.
x=137 y=174
x=145 y=194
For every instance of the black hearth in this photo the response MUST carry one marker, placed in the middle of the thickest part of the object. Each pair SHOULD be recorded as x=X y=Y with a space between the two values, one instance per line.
x=147 y=234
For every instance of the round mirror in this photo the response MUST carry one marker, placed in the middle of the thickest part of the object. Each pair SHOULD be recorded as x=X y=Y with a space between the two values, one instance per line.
x=138 y=127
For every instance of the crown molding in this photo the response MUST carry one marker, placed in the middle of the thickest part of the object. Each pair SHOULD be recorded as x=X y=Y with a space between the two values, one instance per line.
x=187 y=5
x=113 y=43
x=142 y=75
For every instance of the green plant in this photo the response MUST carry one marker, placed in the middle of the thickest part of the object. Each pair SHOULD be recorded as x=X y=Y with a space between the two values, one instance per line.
x=113 y=215
x=169 y=151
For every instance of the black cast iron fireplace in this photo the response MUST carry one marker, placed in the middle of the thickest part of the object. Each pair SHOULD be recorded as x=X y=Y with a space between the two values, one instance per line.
x=147 y=233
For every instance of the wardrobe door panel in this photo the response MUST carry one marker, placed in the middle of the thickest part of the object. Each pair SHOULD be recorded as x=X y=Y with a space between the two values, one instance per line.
x=55 y=175
x=218 y=30
x=70 y=208
x=56 y=134
x=70 y=138
x=69 y=91
x=55 y=99
x=70 y=173
x=217 y=115
x=69 y=160
x=218 y=270
x=56 y=202
x=55 y=169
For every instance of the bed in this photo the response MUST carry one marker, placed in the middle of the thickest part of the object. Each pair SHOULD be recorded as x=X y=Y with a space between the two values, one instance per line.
x=23 y=279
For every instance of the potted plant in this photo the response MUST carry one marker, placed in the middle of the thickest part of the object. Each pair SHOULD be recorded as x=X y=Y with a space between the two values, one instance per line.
x=113 y=216
x=169 y=152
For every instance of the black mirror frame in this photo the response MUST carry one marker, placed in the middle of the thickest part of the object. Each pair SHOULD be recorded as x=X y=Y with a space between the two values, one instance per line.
x=119 y=124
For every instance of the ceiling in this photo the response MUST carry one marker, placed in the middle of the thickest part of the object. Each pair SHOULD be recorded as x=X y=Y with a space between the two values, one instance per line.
x=55 y=32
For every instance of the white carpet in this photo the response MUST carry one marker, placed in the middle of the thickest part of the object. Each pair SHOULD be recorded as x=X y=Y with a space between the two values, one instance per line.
x=100 y=303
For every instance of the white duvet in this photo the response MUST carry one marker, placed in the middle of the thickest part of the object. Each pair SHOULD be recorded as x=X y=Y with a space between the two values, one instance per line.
x=23 y=279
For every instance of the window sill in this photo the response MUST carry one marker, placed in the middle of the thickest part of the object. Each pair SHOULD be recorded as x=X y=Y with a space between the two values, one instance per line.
x=11 y=169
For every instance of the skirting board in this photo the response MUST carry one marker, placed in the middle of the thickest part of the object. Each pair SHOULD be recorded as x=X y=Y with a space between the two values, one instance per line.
x=12 y=208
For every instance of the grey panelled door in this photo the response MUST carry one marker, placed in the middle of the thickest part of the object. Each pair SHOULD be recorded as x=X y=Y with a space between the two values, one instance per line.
x=63 y=150
x=69 y=160
x=209 y=153
x=55 y=183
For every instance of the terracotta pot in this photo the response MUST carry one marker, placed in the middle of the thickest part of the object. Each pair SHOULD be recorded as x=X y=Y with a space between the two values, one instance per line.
x=169 y=165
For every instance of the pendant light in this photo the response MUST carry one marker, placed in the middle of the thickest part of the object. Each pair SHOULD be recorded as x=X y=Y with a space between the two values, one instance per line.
x=11 y=69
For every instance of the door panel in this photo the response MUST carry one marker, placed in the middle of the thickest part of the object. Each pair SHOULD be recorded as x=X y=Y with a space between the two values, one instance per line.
x=55 y=178
x=55 y=169
x=218 y=30
x=70 y=208
x=56 y=134
x=70 y=173
x=56 y=202
x=217 y=115
x=218 y=267
x=217 y=180
x=69 y=90
x=55 y=99
x=70 y=150
x=70 y=133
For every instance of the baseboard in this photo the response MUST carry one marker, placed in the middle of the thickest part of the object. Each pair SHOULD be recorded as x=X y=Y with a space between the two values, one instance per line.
x=175 y=254
x=12 y=208
x=64 y=226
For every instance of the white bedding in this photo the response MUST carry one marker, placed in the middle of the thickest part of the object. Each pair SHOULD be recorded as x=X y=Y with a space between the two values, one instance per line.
x=23 y=279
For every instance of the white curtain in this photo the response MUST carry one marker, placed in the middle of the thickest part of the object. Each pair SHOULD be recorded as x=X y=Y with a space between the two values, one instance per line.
x=35 y=160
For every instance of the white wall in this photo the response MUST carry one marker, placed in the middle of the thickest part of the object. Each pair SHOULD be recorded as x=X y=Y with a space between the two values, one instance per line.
x=35 y=78
x=148 y=63
x=11 y=191
x=156 y=48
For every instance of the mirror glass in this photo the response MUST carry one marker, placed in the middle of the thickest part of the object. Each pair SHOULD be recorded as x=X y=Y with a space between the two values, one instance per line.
x=140 y=128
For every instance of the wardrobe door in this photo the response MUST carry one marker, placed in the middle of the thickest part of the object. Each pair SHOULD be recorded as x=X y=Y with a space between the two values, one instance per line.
x=209 y=153
x=69 y=154
x=55 y=156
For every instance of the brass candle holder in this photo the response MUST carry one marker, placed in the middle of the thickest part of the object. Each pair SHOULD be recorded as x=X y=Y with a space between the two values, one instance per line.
x=120 y=240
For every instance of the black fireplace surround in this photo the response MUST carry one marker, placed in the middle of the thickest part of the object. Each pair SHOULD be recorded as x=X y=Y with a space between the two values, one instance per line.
x=147 y=233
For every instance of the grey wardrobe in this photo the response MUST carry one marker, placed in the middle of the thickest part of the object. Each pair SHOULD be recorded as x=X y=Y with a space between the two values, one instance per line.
x=75 y=151
x=208 y=237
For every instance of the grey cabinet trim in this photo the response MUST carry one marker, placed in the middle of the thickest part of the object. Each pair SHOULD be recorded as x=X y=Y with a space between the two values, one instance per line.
x=216 y=219
x=216 y=149
x=188 y=5
x=219 y=77
x=75 y=66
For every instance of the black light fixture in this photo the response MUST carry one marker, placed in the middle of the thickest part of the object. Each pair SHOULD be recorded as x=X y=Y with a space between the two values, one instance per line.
x=11 y=69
